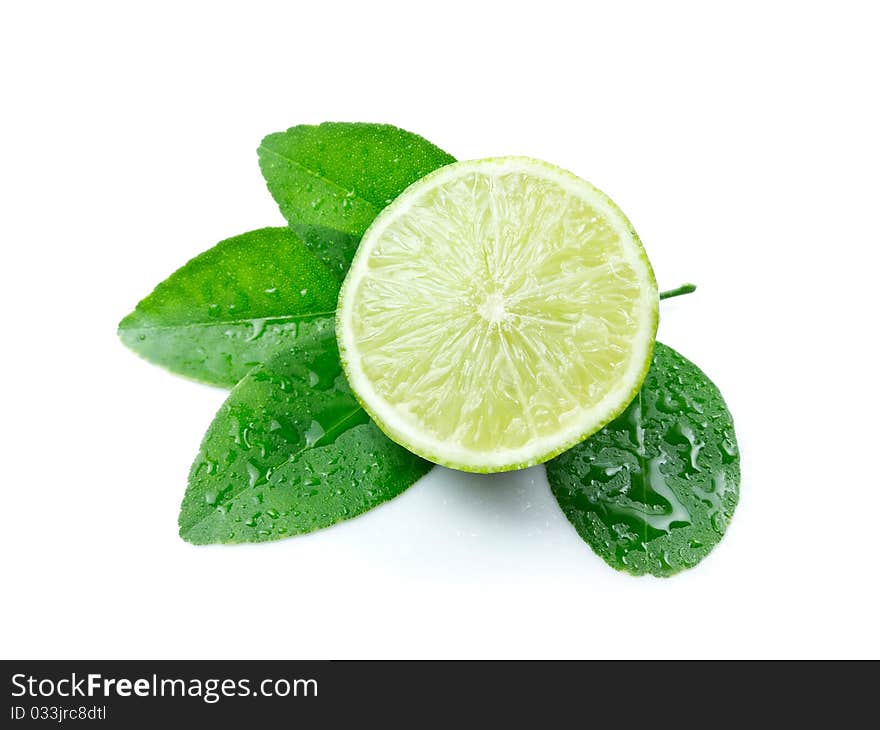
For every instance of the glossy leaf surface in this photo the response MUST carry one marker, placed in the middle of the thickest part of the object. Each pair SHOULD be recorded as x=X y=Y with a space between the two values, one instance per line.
x=654 y=490
x=233 y=307
x=331 y=180
x=291 y=451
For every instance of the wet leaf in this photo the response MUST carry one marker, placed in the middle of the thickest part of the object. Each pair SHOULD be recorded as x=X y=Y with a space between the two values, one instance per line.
x=291 y=451
x=233 y=307
x=336 y=177
x=654 y=490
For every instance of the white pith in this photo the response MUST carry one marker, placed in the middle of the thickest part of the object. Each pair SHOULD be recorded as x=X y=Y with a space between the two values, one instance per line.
x=493 y=310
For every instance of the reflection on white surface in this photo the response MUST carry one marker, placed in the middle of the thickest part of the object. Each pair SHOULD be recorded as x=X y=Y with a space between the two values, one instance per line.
x=467 y=527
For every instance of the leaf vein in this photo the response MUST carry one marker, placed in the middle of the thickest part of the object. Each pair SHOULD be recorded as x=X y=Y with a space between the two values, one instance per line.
x=236 y=493
x=319 y=176
x=225 y=322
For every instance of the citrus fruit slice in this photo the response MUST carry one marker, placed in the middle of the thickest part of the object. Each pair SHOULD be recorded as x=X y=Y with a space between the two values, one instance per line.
x=496 y=313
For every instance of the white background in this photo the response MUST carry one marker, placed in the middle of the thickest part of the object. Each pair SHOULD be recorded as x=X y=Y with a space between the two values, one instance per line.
x=742 y=143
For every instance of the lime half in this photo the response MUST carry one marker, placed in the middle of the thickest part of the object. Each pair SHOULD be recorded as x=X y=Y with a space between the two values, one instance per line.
x=498 y=312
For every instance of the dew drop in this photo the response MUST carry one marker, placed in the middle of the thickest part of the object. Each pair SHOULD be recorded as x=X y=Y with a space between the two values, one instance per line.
x=314 y=433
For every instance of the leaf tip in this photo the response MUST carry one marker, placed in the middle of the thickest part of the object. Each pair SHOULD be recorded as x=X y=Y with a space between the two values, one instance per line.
x=125 y=331
x=187 y=534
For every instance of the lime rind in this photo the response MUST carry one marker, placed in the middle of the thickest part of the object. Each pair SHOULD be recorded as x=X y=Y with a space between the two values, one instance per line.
x=540 y=448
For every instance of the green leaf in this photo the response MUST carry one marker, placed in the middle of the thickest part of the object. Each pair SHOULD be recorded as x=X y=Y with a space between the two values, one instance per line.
x=291 y=451
x=654 y=490
x=335 y=248
x=339 y=175
x=233 y=307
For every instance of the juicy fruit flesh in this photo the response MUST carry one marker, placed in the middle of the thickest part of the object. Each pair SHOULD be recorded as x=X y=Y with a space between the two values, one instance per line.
x=498 y=310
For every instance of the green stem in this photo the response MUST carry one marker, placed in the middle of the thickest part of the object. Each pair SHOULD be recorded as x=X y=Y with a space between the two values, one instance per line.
x=683 y=289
